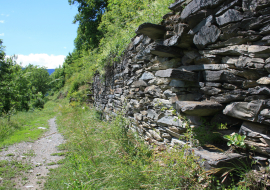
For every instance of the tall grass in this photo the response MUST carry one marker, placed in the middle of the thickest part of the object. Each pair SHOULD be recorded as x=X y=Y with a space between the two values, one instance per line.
x=104 y=155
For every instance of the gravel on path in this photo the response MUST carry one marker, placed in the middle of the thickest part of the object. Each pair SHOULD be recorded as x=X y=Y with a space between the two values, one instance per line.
x=39 y=155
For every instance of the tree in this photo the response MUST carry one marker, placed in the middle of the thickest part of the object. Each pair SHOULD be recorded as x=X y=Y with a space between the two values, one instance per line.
x=39 y=79
x=88 y=17
x=21 y=89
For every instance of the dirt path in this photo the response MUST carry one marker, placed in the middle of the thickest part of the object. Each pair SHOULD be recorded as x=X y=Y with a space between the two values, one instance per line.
x=39 y=155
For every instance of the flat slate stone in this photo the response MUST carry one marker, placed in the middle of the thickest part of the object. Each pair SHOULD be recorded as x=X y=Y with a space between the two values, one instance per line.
x=210 y=90
x=207 y=35
x=198 y=108
x=244 y=110
x=213 y=67
x=152 y=114
x=212 y=76
x=181 y=38
x=166 y=51
x=170 y=121
x=228 y=97
x=206 y=22
x=264 y=80
x=216 y=159
x=259 y=90
x=177 y=83
x=230 y=42
x=253 y=130
x=196 y=5
x=254 y=5
x=177 y=73
x=147 y=76
x=261 y=148
x=139 y=83
x=193 y=20
x=229 y=16
x=226 y=7
x=153 y=31
x=230 y=50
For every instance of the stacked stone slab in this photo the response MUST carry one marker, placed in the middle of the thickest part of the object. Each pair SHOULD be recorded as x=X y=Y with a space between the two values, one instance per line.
x=206 y=58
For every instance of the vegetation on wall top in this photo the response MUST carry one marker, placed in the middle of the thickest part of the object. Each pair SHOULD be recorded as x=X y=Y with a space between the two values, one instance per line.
x=105 y=29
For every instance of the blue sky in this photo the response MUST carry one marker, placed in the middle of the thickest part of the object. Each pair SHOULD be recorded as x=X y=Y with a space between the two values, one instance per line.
x=40 y=32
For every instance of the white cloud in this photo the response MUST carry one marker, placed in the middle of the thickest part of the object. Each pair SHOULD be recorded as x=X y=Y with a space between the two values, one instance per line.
x=2 y=21
x=2 y=34
x=48 y=61
x=4 y=15
x=65 y=47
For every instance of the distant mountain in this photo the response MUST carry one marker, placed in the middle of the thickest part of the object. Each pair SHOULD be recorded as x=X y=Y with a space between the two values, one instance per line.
x=50 y=71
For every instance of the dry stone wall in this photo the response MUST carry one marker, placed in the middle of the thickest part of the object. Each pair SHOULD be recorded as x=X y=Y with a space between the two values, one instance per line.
x=208 y=58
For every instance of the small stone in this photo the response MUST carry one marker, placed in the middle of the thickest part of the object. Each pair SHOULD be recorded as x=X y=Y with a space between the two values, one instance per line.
x=29 y=186
x=166 y=135
x=264 y=80
x=147 y=76
x=155 y=135
x=139 y=83
x=43 y=128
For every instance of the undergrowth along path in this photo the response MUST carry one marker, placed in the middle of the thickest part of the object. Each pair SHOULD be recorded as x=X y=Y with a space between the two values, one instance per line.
x=38 y=154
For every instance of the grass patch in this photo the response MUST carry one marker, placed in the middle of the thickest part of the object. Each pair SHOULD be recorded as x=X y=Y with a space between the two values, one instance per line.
x=23 y=126
x=30 y=153
x=51 y=163
x=10 y=155
x=106 y=156
x=9 y=170
x=59 y=154
x=61 y=161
